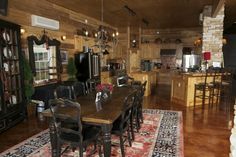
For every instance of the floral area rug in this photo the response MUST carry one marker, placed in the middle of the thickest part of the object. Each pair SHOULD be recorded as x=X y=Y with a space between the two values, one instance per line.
x=161 y=135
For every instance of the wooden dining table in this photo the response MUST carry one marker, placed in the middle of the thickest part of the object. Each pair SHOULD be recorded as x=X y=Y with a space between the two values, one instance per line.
x=98 y=114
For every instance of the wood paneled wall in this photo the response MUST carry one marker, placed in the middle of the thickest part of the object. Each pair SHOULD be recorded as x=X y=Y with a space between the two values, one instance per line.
x=20 y=12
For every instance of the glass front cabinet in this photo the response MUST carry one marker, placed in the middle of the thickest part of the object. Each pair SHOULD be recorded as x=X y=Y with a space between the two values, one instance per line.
x=12 y=105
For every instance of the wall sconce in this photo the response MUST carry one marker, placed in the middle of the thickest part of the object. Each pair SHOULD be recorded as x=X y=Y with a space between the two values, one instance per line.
x=134 y=43
x=86 y=33
x=22 y=31
x=198 y=42
x=224 y=41
x=63 y=37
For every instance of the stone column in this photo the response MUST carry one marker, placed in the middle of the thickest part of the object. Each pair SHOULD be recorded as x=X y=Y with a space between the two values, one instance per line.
x=213 y=35
x=233 y=136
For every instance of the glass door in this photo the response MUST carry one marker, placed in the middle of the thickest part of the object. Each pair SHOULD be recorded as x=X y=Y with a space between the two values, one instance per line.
x=10 y=69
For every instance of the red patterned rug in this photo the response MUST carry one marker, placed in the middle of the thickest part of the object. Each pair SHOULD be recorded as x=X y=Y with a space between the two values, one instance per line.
x=160 y=135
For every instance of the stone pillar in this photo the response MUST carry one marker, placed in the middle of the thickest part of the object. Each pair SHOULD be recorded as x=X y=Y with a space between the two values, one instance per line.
x=213 y=35
x=233 y=136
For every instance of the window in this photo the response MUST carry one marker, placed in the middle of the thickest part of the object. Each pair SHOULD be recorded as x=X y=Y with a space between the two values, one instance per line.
x=45 y=63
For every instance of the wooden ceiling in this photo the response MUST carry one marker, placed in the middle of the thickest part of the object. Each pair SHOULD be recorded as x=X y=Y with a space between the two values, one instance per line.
x=146 y=13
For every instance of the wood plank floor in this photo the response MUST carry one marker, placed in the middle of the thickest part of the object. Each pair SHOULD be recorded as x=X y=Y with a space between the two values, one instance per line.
x=206 y=131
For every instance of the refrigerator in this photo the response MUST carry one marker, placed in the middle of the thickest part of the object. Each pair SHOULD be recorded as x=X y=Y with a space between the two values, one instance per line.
x=88 y=66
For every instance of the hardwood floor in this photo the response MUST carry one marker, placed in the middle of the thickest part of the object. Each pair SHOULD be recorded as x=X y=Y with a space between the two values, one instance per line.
x=206 y=132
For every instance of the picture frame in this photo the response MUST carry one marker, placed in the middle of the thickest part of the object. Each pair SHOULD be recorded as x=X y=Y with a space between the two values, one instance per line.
x=64 y=56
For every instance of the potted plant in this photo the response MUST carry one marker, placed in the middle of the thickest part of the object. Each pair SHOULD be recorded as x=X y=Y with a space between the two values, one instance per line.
x=71 y=69
x=28 y=86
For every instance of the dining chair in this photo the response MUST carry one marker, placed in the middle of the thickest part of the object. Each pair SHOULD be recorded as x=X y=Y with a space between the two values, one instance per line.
x=124 y=80
x=70 y=130
x=78 y=89
x=63 y=91
x=91 y=84
x=135 y=121
x=122 y=124
x=140 y=101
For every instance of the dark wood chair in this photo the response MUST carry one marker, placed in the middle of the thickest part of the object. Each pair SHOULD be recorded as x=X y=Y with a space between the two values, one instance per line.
x=140 y=101
x=135 y=119
x=63 y=91
x=70 y=130
x=91 y=84
x=78 y=89
x=122 y=124
x=124 y=80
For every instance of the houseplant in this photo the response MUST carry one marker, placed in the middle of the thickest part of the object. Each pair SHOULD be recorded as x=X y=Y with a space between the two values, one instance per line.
x=28 y=86
x=71 y=69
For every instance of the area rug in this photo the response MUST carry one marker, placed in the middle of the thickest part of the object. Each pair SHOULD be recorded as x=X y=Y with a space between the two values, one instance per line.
x=161 y=135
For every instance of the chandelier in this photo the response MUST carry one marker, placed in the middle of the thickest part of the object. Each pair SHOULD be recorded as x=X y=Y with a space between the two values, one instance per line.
x=103 y=37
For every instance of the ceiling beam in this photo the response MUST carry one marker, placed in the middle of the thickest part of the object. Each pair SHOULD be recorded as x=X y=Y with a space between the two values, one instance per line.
x=217 y=5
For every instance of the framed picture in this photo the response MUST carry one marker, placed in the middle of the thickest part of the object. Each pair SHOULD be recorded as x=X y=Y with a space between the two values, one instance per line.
x=64 y=56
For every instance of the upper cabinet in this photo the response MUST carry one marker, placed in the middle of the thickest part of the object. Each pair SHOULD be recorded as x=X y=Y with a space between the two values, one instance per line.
x=150 y=51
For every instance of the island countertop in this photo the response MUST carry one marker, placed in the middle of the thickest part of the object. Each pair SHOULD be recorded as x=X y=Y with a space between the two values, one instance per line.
x=182 y=87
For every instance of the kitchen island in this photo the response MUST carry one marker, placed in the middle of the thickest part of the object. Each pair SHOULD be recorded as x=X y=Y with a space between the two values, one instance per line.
x=182 y=87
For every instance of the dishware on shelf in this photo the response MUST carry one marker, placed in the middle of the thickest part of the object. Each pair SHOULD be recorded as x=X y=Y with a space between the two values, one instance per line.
x=6 y=36
x=6 y=66
x=7 y=52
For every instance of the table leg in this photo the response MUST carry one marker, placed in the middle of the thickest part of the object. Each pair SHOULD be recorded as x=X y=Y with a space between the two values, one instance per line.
x=106 y=129
x=53 y=140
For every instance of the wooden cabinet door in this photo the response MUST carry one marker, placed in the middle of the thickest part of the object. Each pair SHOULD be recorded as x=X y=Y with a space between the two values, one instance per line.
x=155 y=51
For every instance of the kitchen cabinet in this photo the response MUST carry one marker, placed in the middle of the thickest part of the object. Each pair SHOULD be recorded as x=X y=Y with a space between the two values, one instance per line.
x=182 y=88
x=12 y=100
x=150 y=51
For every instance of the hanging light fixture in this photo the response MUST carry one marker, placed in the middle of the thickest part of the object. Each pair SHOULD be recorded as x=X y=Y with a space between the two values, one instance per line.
x=102 y=36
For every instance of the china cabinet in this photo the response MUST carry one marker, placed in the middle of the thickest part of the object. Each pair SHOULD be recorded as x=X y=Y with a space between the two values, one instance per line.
x=12 y=105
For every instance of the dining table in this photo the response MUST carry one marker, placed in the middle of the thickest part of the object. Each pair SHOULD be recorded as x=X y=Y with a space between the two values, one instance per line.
x=94 y=113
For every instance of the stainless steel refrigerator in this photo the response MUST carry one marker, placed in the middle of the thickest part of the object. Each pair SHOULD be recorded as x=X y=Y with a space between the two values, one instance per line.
x=88 y=66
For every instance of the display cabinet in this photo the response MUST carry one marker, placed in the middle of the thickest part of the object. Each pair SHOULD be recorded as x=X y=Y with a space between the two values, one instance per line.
x=12 y=105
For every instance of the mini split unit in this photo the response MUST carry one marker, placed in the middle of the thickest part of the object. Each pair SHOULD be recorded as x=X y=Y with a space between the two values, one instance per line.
x=42 y=22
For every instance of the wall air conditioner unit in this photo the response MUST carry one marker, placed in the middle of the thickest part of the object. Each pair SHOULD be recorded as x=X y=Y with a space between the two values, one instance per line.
x=42 y=22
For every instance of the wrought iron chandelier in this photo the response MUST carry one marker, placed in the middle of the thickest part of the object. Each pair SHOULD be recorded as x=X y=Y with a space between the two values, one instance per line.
x=102 y=36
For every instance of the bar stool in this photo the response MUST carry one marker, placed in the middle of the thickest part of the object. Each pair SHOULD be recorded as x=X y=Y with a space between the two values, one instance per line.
x=226 y=84
x=203 y=87
x=215 y=86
